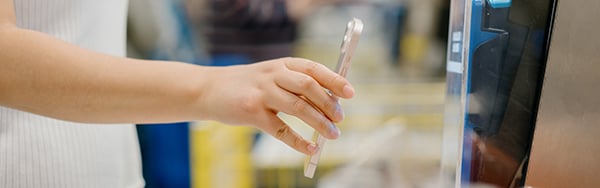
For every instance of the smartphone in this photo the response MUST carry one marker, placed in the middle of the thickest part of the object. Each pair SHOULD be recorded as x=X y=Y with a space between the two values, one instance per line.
x=353 y=30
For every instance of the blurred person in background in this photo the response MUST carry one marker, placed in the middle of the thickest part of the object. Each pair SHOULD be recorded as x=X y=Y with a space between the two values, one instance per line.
x=68 y=97
x=246 y=31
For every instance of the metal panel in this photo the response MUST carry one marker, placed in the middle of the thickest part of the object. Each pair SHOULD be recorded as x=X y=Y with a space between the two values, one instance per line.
x=566 y=145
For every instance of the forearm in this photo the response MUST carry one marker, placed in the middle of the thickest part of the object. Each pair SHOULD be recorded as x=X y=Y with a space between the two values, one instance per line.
x=46 y=76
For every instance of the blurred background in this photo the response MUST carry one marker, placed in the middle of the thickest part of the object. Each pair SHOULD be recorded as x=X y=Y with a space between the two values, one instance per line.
x=392 y=133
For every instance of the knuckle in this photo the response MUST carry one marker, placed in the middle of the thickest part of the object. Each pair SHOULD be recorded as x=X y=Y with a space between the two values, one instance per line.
x=288 y=60
x=291 y=59
x=299 y=106
x=298 y=143
x=282 y=132
x=323 y=124
x=269 y=68
x=313 y=68
x=250 y=103
x=337 y=80
x=329 y=106
x=306 y=82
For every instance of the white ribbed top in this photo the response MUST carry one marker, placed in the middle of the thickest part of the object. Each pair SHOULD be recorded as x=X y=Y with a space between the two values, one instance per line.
x=36 y=151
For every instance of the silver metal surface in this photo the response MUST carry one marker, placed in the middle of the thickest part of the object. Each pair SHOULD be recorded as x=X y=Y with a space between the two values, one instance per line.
x=566 y=145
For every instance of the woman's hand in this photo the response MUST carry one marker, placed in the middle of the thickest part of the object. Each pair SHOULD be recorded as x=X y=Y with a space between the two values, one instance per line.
x=254 y=94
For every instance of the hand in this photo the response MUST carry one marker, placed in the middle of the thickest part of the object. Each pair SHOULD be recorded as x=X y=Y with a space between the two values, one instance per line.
x=254 y=94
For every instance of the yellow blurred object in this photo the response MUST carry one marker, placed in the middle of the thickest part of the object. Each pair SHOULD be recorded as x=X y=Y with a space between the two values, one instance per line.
x=221 y=156
x=414 y=48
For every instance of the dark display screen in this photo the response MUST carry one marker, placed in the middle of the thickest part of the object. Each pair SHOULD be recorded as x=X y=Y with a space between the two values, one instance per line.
x=507 y=56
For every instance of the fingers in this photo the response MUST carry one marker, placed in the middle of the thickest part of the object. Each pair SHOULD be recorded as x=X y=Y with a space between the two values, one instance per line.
x=337 y=84
x=283 y=132
x=306 y=86
x=291 y=104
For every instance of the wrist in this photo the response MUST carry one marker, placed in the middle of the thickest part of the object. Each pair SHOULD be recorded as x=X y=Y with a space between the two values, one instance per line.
x=197 y=92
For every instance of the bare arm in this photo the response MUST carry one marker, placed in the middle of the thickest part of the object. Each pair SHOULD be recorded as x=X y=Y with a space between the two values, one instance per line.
x=46 y=76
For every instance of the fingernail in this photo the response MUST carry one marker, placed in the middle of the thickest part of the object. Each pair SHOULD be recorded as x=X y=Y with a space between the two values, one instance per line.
x=348 y=90
x=335 y=132
x=312 y=148
x=339 y=113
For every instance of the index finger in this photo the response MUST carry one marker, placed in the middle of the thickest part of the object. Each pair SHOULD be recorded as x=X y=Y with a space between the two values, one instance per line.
x=330 y=80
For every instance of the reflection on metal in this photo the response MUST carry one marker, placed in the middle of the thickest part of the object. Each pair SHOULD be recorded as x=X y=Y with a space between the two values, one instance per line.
x=565 y=151
x=491 y=106
x=453 y=119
